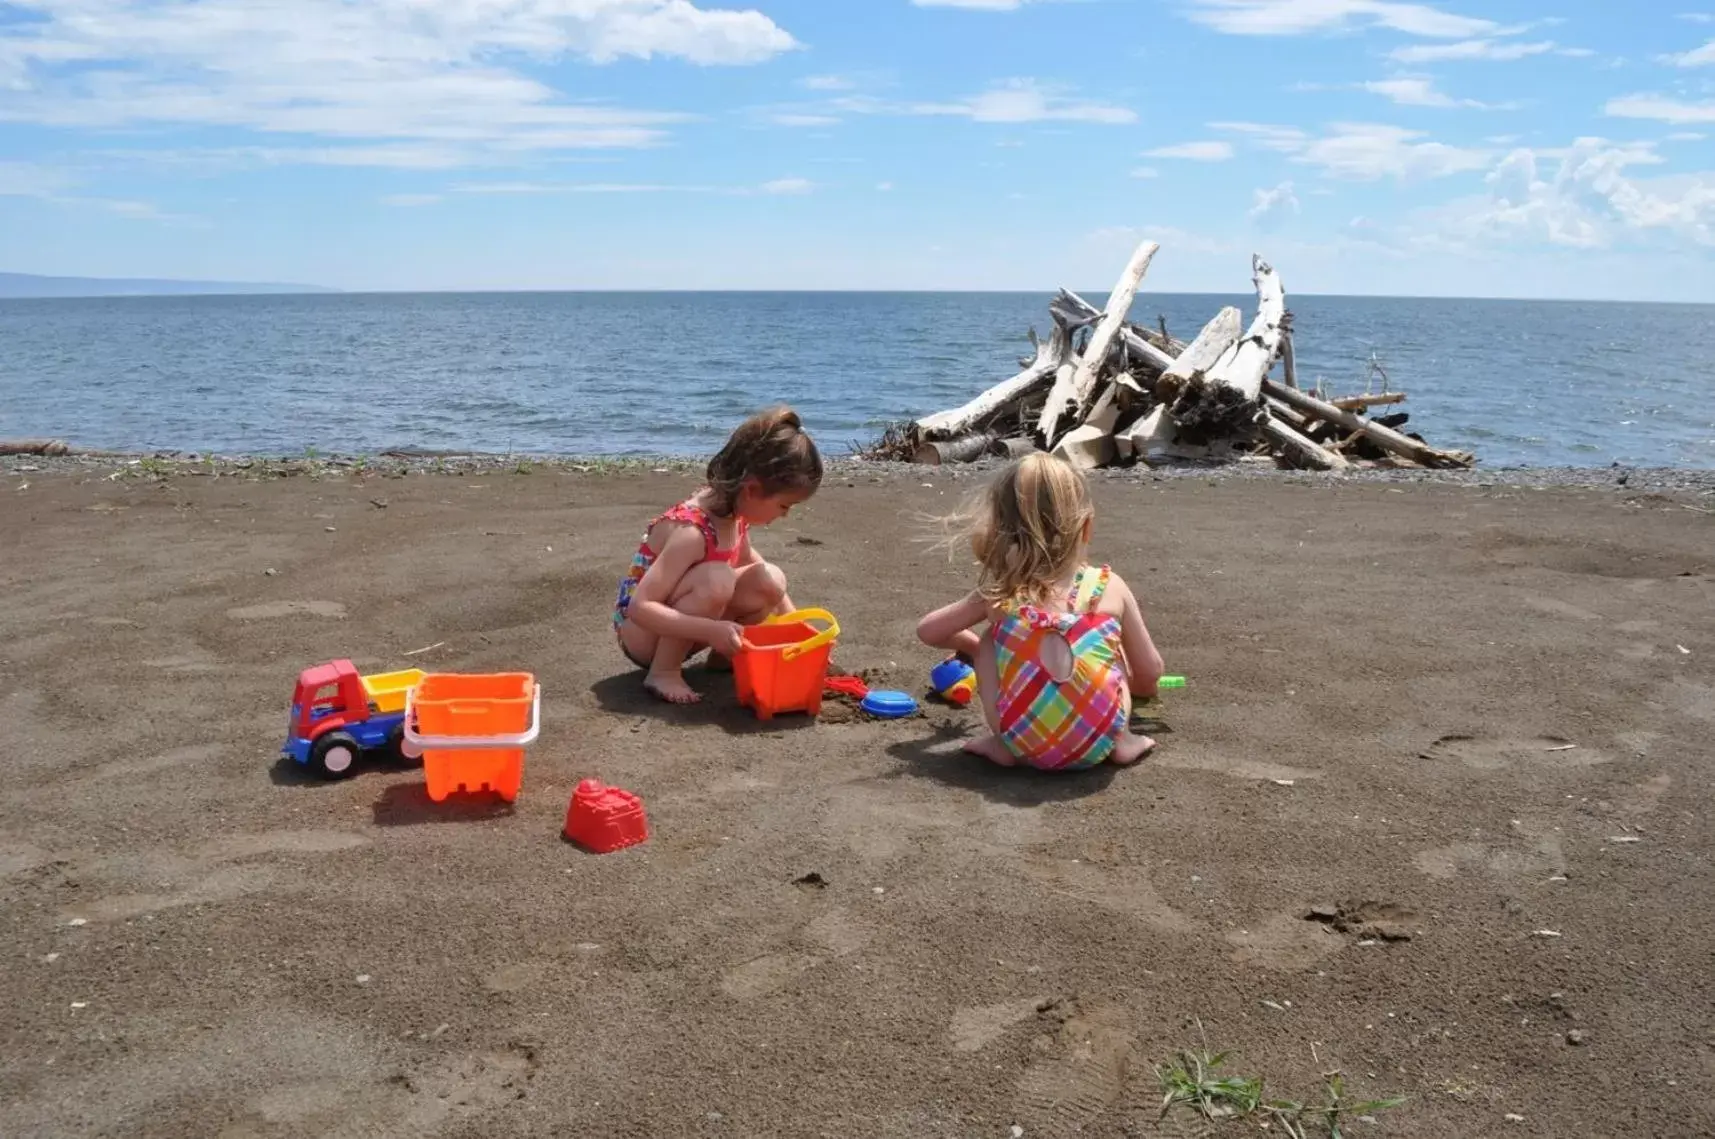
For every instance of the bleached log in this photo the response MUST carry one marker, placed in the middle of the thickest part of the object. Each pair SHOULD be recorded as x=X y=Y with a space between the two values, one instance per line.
x=1243 y=366
x=1311 y=454
x=1384 y=437
x=1361 y=402
x=1288 y=361
x=1015 y=448
x=1039 y=372
x=1216 y=339
x=1077 y=308
x=1087 y=447
x=964 y=449
x=1076 y=395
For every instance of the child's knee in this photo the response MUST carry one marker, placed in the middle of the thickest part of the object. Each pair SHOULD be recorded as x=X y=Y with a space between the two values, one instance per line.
x=773 y=582
x=709 y=587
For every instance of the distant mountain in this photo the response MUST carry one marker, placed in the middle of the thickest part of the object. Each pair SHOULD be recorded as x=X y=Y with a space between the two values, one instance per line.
x=29 y=285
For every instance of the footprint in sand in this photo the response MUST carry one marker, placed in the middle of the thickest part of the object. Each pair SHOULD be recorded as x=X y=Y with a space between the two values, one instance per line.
x=765 y=975
x=1236 y=766
x=1126 y=890
x=832 y=935
x=1284 y=942
x=275 y=609
x=1689 y=698
x=149 y=765
x=221 y=883
x=1545 y=857
x=1486 y=753
x=974 y=1029
x=1558 y=608
x=1086 y=1053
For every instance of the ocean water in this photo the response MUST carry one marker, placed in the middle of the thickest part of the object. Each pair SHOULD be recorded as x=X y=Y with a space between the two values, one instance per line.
x=1521 y=383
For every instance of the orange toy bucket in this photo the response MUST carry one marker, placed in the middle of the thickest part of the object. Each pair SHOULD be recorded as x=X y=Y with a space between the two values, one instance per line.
x=784 y=663
x=471 y=730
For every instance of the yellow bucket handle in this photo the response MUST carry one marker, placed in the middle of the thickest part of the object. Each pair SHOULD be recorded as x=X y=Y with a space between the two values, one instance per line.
x=825 y=637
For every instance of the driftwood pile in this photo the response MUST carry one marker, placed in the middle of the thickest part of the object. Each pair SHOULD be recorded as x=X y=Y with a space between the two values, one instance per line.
x=1102 y=391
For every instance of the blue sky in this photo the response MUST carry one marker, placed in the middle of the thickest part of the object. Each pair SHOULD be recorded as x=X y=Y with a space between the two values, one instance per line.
x=1467 y=147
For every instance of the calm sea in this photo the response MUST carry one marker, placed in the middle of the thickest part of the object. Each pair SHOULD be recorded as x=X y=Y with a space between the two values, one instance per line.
x=1519 y=382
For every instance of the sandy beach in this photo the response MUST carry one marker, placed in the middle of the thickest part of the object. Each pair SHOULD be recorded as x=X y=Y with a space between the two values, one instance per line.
x=1464 y=728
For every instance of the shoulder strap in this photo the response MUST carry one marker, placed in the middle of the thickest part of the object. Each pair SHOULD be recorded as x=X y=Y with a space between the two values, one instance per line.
x=1092 y=584
x=690 y=514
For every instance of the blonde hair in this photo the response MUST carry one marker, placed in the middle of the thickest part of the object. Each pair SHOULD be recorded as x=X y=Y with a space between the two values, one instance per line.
x=1027 y=530
x=770 y=447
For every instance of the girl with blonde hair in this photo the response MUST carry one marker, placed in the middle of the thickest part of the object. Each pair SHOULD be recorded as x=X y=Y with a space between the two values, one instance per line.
x=1065 y=646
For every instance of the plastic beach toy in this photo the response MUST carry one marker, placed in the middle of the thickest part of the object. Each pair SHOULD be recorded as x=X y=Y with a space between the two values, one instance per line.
x=954 y=681
x=338 y=715
x=888 y=705
x=783 y=665
x=471 y=730
x=604 y=819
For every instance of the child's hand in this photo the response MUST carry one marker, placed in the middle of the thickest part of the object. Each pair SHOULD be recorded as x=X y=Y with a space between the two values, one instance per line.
x=727 y=637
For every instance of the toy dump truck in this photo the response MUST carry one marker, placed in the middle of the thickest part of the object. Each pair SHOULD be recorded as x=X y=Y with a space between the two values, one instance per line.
x=338 y=715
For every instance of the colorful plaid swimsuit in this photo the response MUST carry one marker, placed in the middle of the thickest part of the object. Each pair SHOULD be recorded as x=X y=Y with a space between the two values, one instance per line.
x=690 y=514
x=1055 y=725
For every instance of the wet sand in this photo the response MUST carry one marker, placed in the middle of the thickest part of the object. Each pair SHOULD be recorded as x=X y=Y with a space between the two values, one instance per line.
x=1458 y=716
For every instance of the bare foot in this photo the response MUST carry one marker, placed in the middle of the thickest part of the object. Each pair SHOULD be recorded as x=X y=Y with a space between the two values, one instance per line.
x=992 y=749
x=1130 y=748
x=671 y=687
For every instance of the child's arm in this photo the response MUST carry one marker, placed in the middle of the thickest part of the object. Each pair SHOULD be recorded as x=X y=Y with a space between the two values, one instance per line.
x=1143 y=662
x=952 y=627
x=650 y=606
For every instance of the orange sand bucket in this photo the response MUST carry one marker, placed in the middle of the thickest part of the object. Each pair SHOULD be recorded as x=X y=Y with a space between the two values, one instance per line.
x=471 y=730
x=784 y=663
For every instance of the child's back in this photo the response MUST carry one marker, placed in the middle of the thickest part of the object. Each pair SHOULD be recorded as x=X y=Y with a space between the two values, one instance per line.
x=1066 y=645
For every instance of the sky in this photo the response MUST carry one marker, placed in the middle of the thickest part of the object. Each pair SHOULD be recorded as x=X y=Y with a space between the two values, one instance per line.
x=1525 y=148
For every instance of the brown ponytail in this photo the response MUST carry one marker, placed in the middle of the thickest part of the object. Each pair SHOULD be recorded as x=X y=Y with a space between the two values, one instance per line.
x=770 y=447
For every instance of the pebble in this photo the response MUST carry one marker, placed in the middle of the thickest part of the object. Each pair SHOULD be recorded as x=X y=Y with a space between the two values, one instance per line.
x=78 y=921
x=1514 y=1117
x=329 y=529
x=1575 y=1037
x=1017 y=1132
x=363 y=978
x=51 y=958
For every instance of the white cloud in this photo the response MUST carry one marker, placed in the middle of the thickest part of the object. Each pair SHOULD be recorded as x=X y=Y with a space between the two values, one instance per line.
x=1285 y=140
x=827 y=83
x=1697 y=57
x=884 y=187
x=1298 y=17
x=1207 y=151
x=423 y=71
x=407 y=200
x=1661 y=108
x=1364 y=152
x=777 y=186
x=1146 y=172
x=1588 y=202
x=975 y=5
x=29 y=180
x=1367 y=152
x=1018 y=101
x=802 y=119
x=1501 y=51
x=1269 y=207
x=1415 y=91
